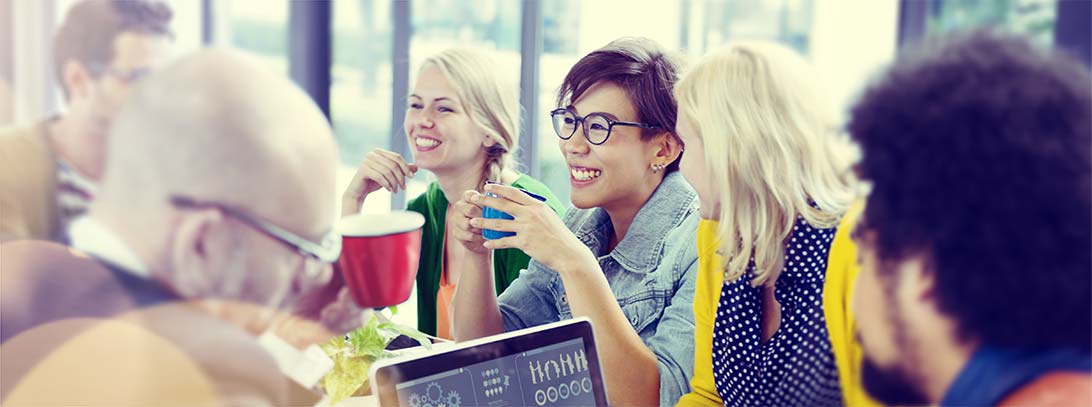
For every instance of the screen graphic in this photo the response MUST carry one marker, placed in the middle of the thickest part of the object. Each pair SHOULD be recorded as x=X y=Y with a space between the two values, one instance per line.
x=555 y=375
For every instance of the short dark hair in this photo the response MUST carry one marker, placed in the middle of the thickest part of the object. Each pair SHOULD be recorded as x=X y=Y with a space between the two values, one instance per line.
x=978 y=151
x=90 y=27
x=643 y=69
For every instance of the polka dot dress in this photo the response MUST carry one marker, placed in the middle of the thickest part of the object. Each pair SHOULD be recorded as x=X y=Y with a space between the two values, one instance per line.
x=796 y=367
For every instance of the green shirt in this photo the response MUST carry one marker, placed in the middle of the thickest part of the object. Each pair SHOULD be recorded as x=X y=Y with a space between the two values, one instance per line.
x=507 y=263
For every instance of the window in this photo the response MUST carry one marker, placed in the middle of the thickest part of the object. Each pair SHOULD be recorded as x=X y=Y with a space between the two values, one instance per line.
x=717 y=21
x=186 y=24
x=1034 y=18
x=360 y=89
x=258 y=27
x=442 y=24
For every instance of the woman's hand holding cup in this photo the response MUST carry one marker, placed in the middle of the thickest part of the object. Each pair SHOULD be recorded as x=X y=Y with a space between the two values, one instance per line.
x=523 y=221
x=462 y=212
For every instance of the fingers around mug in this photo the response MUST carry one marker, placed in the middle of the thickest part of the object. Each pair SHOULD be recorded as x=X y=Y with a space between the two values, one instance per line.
x=500 y=225
x=467 y=209
x=511 y=193
x=503 y=243
x=498 y=203
x=470 y=228
x=345 y=296
x=461 y=212
x=470 y=197
x=464 y=235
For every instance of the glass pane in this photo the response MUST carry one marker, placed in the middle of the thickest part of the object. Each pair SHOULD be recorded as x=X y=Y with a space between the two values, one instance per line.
x=360 y=88
x=260 y=28
x=845 y=40
x=1034 y=18
x=441 y=24
x=186 y=24
x=360 y=92
x=786 y=21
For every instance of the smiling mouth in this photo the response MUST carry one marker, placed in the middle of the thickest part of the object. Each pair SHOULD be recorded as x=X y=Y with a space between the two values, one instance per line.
x=584 y=174
x=426 y=142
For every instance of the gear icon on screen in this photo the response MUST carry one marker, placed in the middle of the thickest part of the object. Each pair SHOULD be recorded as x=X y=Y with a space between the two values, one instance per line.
x=435 y=393
x=453 y=399
x=417 y=400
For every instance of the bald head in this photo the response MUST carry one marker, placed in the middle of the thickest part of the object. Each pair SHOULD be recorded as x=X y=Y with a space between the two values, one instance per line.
x=218 y=127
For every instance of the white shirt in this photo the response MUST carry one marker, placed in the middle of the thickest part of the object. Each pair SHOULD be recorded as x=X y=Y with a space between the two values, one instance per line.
x=305 y=367
x=94 y=238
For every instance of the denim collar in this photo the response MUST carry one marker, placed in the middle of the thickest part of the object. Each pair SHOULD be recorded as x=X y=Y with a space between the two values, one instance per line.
x=993 y=373
x=641 y=249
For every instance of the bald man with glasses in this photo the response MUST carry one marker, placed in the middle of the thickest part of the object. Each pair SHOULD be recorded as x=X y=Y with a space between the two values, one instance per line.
x=213 y=223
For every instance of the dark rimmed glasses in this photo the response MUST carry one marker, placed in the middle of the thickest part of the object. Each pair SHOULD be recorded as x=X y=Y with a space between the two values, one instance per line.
x=326 y=251
x=597 y=126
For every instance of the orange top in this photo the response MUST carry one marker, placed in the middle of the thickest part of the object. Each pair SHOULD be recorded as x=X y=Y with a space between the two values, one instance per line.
x=443 y=304
x=443 y=297
x=1054 y=389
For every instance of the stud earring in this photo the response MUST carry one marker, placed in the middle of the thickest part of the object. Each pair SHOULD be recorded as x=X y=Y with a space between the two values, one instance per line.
x=656 y=168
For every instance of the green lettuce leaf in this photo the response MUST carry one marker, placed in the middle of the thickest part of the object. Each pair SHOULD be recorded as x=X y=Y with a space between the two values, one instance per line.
x=371 y=339
x=349 y=374
x=354 y=354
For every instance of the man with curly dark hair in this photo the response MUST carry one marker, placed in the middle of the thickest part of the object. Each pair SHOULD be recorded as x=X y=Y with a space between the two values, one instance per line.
x=976 y=275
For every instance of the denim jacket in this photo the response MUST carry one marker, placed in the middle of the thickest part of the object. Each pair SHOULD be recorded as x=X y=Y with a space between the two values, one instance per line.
x=652 y=272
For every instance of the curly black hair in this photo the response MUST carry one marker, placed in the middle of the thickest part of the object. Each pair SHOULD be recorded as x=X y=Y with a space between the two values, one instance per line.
x=977 y=148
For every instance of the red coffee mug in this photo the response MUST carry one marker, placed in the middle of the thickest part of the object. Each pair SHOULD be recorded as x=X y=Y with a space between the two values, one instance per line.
x=379 y=256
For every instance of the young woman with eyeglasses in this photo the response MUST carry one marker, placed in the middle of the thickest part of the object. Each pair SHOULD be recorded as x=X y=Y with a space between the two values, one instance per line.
x=625 y=257
x=462 y=122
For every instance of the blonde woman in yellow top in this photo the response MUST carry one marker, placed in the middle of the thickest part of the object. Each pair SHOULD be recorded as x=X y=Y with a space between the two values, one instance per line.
x=774 y=185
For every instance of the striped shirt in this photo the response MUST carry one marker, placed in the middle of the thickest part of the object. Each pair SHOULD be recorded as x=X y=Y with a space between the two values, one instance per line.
x=74 y=194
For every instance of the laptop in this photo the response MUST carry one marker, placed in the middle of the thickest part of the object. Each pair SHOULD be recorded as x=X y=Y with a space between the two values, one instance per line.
x=549 y=365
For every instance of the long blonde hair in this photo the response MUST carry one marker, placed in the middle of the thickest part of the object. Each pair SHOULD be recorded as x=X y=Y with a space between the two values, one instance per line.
x=770 y=146
x=490 y=99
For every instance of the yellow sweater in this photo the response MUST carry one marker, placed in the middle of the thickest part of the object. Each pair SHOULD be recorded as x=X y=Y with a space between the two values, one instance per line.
x=28 y=185
x=837 y=294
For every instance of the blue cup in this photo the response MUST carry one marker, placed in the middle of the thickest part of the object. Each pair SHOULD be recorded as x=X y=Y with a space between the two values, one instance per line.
x=490 y=213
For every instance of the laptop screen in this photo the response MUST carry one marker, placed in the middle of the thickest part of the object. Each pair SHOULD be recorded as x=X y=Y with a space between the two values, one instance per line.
x=554 y=365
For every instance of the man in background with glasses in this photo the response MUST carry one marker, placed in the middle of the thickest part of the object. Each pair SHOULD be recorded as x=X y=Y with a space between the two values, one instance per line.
x=216 y=212
x=49 y=171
